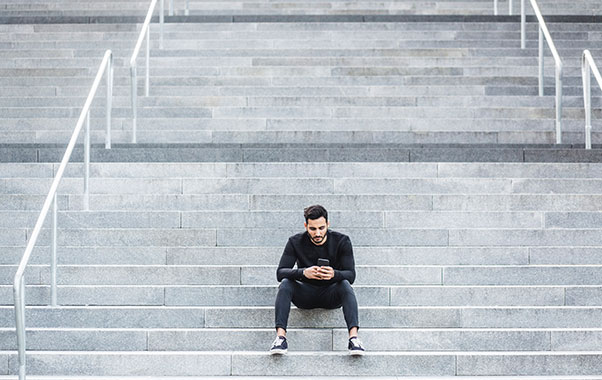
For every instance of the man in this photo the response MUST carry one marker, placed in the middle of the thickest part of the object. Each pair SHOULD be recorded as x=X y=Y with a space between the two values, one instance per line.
x=310 y=285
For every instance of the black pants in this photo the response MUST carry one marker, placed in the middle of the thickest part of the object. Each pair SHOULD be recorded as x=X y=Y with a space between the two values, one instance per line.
x=307 y=296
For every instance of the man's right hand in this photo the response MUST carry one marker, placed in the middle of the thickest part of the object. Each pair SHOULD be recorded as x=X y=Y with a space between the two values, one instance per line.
x=312 y=273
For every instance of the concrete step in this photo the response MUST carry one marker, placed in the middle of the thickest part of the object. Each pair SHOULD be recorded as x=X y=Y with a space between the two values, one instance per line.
x=304 y=100
x=338 y=364
x=318 y=185
x=384 y=274
x=260 y=255
x=228 y=237
x=263 y=317
x=367 y=219
x=400 y=170
x=255 y=295
x=325 y=340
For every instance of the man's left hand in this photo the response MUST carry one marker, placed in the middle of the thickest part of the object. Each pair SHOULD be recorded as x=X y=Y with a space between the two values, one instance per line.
x=326 y=273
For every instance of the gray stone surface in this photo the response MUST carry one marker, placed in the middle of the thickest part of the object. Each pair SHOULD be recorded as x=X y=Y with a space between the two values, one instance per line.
x=573 y=237
x=462 y=220
x=569 y=275
x=573 y=220
x=34 y=295
x=137 y=237
x=250 y=340
x=223 y=255
x=532 y=317
x=175 y=202
x=430 y=255
x=477 y=296
x=337 y=365
x=108 y=317
x=81 y=340
x=149 y=275
x=529 y=365
x=420 y=186
x=111 y=295
x=127 y=364
x=576 y=340
x=343 y=202
x=587 y=296
x=449 y=340
x=13 y=236
x=524 y=202
x=562 y=186
x=577 y=170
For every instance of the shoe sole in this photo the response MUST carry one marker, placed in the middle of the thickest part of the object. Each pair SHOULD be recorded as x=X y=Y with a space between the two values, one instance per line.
x=278 y=352
x=356 y=353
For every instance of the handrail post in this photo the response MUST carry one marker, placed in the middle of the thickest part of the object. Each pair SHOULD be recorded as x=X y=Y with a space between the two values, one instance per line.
x=19 y=295
x=147 y=80
x=187 y=10
x=109 y=104
x=134 y=80
x=587 y=99
x=53 y=290
x=495 y=7
x=510 y=7
x=523 y=21
x=171 y=7
x=559 y=104
x=161 y=20
x=144 y=32
x=541 y=62
x=87 y=163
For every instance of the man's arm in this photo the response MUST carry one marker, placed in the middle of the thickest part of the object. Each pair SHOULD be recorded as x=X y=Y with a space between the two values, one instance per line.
x=347 y=263
x=287 y=261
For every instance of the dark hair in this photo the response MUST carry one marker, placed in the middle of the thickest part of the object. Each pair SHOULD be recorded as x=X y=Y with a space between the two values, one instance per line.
x=315 y=212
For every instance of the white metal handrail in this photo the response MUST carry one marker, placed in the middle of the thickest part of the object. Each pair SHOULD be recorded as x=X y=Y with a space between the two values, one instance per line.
x=544 y=32
x=588 y=66
x=145 y=32
x=19 y=284
x=495 y=7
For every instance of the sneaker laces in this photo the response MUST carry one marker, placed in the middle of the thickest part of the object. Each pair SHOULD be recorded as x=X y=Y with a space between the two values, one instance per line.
x=278 y=341
x=356 y=342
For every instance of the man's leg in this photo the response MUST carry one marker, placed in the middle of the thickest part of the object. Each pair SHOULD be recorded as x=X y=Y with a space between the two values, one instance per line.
x=284 y=297
x=342 y=294
x=302 y=295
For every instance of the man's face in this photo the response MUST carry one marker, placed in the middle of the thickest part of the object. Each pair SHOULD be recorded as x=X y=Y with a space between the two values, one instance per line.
x=317 y=228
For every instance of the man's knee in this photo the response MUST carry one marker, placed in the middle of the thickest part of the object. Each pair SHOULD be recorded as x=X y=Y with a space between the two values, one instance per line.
x=344 y=288
x=345 y=285
x=286 y=286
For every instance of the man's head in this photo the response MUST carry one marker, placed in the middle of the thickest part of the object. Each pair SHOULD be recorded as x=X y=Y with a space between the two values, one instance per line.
x=316 y=223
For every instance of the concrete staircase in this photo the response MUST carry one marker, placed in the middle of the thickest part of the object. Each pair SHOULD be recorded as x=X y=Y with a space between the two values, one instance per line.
x=463 y=269
x=373 y=82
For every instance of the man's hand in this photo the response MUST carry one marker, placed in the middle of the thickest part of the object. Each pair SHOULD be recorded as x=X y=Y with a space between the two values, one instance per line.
x=326 y=273
x=312 y=273
x=318 y=273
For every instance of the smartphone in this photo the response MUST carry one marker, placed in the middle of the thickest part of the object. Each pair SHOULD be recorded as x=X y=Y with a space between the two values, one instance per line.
x=323 y=262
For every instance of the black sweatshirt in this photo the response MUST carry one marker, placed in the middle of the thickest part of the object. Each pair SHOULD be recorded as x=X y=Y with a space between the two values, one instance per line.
x=300 y=250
